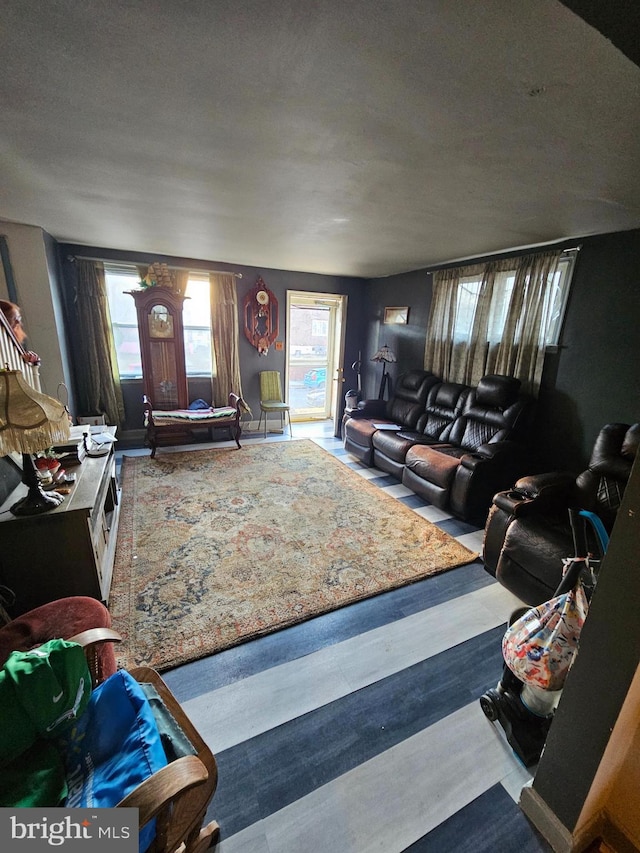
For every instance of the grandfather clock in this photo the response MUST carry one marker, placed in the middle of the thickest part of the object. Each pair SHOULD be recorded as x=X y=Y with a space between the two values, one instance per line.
x=161 y=334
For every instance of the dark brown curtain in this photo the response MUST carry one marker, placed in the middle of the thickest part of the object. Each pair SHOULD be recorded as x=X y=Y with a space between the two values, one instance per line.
x=98 y=378
x=225 y=335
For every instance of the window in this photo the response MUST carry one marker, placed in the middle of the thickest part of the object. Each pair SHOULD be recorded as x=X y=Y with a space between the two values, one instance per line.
x=558 y=295
x=124 y=322
x=319 y=328
x=196 y=320
x=555 y=301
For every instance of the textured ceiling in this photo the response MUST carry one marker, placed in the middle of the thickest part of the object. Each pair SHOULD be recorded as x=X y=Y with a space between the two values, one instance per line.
x=361 y=138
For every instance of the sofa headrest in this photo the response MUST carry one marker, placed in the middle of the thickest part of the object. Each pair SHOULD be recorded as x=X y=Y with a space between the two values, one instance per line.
x=602 y=485
x=497 y=392
x=631 y=442
x=614 y=450
x=413 y=379
x=413 y=387
x=447 y=395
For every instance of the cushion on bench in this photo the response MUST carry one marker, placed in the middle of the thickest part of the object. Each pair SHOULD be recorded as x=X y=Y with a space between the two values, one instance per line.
x=193 y=416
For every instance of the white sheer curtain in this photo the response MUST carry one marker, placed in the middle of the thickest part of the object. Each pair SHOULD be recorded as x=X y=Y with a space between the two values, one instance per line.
x=492 y=318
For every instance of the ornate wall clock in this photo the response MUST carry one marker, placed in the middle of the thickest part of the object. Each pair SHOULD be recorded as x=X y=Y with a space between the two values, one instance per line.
x=261 y=317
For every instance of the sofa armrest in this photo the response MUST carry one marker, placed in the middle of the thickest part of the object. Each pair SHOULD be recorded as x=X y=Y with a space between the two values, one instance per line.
x=489 y=469
x=370 y=409
x=547 y=494
x=539 y=492
x=503 y=452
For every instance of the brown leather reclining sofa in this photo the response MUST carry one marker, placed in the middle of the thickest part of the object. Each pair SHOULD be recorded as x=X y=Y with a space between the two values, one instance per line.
x=452 y=444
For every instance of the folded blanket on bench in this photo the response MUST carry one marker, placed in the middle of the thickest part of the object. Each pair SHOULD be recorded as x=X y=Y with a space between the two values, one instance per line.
x=169 y=422
x=192 y=415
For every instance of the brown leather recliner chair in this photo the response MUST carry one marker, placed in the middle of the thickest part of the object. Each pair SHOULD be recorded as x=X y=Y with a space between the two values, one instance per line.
x=528 y=534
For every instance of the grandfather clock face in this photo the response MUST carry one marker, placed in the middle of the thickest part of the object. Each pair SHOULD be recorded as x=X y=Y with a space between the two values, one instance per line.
x=160 y=322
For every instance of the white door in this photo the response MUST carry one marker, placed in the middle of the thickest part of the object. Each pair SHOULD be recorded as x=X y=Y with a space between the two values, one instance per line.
x=315 y=353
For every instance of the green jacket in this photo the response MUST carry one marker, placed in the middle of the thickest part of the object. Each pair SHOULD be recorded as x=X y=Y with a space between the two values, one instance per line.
x=41 y=691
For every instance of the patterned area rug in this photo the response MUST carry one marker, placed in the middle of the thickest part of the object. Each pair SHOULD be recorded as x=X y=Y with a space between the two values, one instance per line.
x=217 y=547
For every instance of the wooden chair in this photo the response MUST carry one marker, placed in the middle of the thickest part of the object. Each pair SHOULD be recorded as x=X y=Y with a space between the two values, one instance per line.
x=178 y=795
x=272 y=400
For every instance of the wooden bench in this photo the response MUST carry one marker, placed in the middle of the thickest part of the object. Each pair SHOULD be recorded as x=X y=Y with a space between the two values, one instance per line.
x=171 y=426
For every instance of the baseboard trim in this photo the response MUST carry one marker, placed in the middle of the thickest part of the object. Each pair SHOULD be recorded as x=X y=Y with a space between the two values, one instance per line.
x=545 y=820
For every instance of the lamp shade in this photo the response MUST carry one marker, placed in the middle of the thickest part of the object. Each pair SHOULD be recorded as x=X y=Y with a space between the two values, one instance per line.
x=29 y=420
x=384 y=354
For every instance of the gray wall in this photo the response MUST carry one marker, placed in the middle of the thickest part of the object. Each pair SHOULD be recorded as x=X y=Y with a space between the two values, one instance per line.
x=411 y=290
x=279 y=281
x=60 y=310
x=593 y=379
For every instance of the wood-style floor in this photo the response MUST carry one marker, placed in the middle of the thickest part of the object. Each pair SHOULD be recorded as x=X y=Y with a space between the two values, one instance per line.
x=361 y=730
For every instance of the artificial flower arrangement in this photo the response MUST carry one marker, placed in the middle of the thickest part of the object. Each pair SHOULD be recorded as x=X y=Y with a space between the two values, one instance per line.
x=48 y=467
x=158 y=275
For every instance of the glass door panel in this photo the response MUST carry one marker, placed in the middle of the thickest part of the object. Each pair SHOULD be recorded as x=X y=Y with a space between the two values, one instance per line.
x=313 y=343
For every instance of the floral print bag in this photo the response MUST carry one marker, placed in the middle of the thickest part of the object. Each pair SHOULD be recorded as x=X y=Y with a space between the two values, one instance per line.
x=541 y=645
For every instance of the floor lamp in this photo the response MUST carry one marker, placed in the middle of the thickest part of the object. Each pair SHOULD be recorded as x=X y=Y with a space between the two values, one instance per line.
x=30 y=422
x=386 y=356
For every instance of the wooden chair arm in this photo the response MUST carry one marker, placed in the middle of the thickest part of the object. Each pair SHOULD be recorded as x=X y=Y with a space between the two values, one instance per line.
x=90 y=640
x=164 y=786
x=95 y=635
x=180 y=817
x=150 y=676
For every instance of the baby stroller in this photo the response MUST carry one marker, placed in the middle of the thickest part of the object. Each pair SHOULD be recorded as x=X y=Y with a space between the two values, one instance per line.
x=523 y=709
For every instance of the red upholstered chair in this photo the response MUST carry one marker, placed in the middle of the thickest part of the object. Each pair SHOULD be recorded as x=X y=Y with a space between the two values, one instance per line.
x=64 y=619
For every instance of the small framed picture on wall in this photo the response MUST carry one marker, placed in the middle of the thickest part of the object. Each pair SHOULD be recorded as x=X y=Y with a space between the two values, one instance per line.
x=397 y=316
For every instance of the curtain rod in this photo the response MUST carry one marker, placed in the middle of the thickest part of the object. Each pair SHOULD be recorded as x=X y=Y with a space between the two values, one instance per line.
x=514 y=253
x=171 y=266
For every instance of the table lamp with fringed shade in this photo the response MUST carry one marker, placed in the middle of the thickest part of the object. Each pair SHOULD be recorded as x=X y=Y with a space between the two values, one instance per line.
x=30 y=422
x=386 y=356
